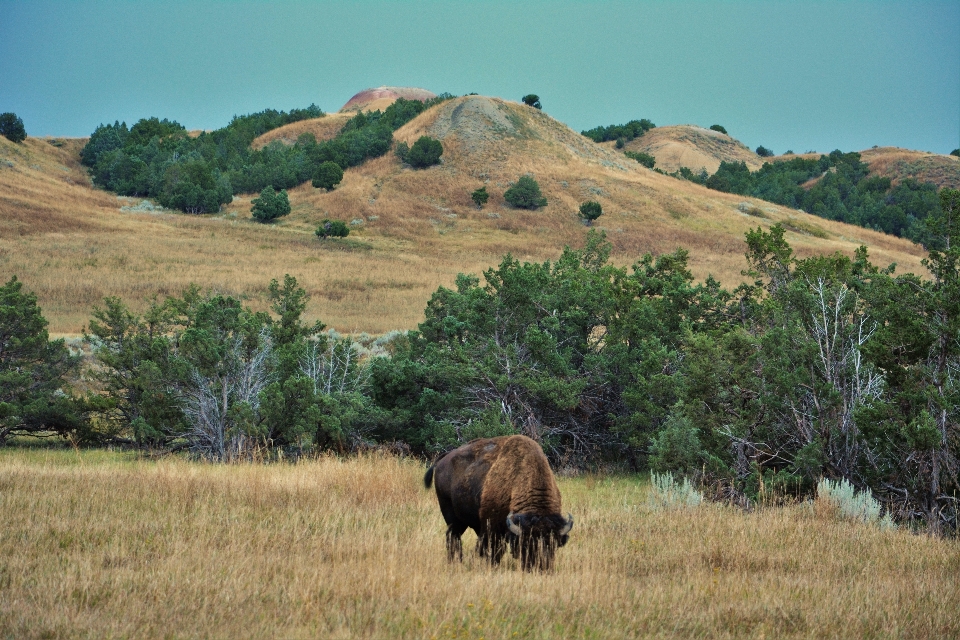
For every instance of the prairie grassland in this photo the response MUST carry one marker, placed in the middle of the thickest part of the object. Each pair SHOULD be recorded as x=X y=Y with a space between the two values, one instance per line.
x=414 y=230
x=100 y=544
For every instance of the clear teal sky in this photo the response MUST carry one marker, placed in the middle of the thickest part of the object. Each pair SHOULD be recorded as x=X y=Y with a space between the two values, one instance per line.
x=787 y=75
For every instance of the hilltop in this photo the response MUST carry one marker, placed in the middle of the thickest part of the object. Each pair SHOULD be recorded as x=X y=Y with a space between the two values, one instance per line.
x=382 y=97
x=412 y=230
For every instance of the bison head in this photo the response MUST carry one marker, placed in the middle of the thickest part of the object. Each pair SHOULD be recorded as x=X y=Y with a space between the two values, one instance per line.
x=534 y=539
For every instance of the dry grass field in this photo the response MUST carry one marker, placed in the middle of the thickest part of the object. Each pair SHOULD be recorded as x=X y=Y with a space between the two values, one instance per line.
x=413 y=230
x=97 y=544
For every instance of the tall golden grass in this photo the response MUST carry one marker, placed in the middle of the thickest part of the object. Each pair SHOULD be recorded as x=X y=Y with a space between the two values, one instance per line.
x=100 y=544
x=72 y=245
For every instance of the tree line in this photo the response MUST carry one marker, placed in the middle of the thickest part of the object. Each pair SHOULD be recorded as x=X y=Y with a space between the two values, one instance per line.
x=823 y=367
x=198 y=174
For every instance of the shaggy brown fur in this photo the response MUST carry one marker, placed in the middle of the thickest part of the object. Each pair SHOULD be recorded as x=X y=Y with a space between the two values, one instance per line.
x=504 y=490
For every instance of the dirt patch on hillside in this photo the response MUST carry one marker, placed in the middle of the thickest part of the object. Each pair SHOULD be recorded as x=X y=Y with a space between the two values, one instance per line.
x=693 y=147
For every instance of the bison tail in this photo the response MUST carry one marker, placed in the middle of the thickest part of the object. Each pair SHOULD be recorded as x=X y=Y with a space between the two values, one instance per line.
x=428 y=478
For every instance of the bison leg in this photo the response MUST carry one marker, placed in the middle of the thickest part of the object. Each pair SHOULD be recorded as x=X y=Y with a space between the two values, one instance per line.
x=454 y=543
x=491 y=546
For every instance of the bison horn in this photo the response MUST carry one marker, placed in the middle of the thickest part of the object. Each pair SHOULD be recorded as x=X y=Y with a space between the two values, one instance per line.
x=513 y=526
x=567 y=525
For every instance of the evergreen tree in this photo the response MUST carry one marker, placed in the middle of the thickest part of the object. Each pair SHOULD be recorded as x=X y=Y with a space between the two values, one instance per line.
x=532 y=100
x=33 y=369
x=332 y=229
x=270 y=205
x=328 y=176
x=590 y=211
x=11 y=127
x=480 y=197
x=425 y=152
x=525 y=194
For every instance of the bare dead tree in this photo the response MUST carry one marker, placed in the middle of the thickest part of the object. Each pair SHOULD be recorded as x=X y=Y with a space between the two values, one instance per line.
x=334 y=369
x=219 y=429
x=839 y=329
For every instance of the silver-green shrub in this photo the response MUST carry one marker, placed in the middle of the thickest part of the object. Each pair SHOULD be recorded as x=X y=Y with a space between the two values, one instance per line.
x=852 y=504
x=667 y=493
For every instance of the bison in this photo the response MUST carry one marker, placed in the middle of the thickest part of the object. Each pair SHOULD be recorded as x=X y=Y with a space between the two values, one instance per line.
x=504 y=490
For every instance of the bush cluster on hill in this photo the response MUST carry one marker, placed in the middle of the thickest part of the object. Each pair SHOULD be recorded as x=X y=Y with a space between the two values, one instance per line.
x=844 y=191
x=645 y=159
x=822 y=367
x=622 y=133
x=157 y=158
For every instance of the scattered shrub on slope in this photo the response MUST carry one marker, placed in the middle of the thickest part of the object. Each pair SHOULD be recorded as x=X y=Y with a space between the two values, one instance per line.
x=425 y=152
x=525 y=194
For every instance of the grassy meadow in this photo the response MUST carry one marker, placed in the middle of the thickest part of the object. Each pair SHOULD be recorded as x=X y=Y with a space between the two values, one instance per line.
x=104 y=544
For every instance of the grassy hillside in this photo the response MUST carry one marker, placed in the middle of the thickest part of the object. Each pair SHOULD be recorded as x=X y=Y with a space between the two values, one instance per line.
x=693 y=147
x=323 y=128
x=696 y=148
x=100 y=544
x=899 y=164
x=414 y=231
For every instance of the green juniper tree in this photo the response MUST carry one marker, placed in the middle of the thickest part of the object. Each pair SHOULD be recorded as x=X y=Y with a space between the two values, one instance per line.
x=480 y=197
x=270 y=205
x=525 y=194
x=590 y=211
x=11 y=127
x=328 y=176
x=425 y=152
x=33 y=370
x=332 y=229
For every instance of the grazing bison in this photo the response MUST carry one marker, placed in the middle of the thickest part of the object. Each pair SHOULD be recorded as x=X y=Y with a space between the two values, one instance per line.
x=504 y=490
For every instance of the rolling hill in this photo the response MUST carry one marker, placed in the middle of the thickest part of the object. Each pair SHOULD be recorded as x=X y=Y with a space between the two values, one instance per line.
x=693 y=147
x=697 y=148
x=412 y=230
